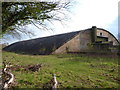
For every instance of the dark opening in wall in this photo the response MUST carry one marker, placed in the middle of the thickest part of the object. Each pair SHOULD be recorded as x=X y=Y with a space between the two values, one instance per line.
x=100 y=34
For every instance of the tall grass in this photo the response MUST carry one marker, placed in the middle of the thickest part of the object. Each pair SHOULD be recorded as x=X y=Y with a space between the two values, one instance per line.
x=72 y=71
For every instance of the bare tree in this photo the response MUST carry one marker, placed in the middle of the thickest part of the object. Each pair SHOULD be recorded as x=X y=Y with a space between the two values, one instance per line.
x=16 y=15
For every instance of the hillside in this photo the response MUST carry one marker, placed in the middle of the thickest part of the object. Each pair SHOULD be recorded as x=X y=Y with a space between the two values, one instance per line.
x=72 y=71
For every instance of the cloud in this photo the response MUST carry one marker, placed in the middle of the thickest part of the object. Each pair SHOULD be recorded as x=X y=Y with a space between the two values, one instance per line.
x=88 y=13
x=85 y=14
x=95 y=12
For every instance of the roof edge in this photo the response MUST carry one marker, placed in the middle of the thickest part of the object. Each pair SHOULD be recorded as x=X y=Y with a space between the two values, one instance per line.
x=109 y=33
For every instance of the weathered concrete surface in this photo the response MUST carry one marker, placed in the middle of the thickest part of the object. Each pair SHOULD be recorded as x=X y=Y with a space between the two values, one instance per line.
x=71 y=46
x=82 y=42
x=85 y=40
x=79 y=43
x=109 y=35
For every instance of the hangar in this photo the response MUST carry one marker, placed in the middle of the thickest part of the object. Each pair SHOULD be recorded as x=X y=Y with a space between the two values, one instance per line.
x=89 y=40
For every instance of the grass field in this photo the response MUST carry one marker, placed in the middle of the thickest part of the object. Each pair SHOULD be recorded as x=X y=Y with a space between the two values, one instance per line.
x=72 y=71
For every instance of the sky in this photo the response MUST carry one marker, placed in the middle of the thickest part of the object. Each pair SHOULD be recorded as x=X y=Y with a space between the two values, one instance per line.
x=83 y=14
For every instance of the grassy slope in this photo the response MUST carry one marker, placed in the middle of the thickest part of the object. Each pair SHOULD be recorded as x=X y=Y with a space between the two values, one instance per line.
x=72 y=71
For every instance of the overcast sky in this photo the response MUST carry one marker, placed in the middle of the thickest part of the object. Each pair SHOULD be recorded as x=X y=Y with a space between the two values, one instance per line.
x=84 y=14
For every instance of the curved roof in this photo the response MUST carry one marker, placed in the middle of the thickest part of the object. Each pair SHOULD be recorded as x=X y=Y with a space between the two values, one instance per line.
x=45 y=45
x=109 y=33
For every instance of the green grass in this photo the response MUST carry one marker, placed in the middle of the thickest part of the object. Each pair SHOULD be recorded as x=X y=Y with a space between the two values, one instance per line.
x=72 y=71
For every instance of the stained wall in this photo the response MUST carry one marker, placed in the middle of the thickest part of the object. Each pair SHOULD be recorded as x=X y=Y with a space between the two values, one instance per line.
x=82 y=42
x=79 y=43
x=109 y=35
